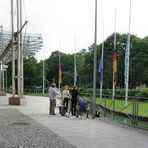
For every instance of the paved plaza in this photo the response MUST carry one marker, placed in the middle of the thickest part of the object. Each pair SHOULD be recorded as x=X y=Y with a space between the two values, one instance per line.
x=31 y=126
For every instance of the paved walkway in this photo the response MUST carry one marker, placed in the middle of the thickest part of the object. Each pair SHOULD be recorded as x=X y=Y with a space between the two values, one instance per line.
x=58 y=131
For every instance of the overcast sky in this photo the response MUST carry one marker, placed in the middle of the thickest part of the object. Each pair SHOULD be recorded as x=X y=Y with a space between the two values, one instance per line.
x=62 y=20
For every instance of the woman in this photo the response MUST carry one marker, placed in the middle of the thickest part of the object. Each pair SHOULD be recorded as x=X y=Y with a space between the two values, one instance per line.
x=65 y=97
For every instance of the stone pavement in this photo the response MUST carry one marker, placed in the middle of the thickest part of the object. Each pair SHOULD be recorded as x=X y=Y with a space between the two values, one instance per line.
x=70 y=132
x=18 y=130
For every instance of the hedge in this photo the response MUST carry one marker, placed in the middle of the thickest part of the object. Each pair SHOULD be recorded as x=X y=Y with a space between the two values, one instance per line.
x=118 y=92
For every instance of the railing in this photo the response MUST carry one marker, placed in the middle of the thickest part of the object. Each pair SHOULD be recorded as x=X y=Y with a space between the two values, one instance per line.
x=35 y=90
x=31 y=90
x=129 y=112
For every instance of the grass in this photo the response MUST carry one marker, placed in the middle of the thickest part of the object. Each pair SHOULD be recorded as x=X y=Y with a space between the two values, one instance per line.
x=120 y=106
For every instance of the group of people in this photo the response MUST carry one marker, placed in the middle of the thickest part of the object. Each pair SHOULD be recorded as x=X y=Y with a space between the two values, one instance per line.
x=66 y=95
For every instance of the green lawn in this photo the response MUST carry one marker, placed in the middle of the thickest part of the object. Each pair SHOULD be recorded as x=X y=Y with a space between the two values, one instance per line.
x=120 y=106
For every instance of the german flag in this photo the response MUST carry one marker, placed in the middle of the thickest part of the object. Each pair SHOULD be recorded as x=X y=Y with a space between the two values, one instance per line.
x=114 y=67
x=60 y=73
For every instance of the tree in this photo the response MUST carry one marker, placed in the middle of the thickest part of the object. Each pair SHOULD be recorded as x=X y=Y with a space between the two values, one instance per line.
x=33 y=75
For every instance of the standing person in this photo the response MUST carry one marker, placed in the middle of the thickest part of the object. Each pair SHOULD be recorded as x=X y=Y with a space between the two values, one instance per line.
x=74 y=99
x=52 y=96
x=65 y=97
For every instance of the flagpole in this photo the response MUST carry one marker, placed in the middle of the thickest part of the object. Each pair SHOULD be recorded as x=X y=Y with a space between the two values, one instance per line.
x=59 y=64
x=13 y=50
x=75 y=68
x=43 y=73
x=101 y=84
x=95 y=63
x=128 y=46
x=113 y=95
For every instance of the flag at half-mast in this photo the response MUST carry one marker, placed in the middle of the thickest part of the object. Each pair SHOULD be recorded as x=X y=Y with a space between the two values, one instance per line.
x=114 y=67
x=126 y=63
x=60 y=73
x=100 y=70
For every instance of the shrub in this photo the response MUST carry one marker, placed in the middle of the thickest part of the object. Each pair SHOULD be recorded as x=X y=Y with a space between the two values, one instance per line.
x=143 y=93
x=118 y=92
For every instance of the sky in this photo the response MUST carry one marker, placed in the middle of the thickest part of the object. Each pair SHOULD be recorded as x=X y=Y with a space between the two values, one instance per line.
x=68 y=25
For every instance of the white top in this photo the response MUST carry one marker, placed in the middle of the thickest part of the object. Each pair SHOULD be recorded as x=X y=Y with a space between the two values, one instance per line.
x=65 y=94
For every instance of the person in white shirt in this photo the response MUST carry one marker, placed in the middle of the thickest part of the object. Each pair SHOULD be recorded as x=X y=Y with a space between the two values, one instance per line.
x=52 y=97
x=65 y=97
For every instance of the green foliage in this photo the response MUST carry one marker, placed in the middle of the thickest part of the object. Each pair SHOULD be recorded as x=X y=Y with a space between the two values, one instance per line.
x=138 y=72
x=143 y=92
x=32 y=72
x=67 y=68
x=118 y=92
x=86 y=90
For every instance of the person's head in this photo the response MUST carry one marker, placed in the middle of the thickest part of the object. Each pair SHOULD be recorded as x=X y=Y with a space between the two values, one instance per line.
x=53 y=85
x=66 y=87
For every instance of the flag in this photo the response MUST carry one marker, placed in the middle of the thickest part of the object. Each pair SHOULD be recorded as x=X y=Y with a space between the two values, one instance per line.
x=114 y=67
x=126 y=64
x=60 y=73
x=100 y=70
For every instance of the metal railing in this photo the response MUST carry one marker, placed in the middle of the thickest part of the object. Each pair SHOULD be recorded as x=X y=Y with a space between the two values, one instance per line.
x=123 y=113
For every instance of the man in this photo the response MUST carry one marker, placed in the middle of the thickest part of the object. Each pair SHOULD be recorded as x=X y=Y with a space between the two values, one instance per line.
x=74 y=99
x=52 y=96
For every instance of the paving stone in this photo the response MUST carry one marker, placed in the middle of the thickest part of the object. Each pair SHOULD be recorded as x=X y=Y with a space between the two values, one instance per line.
x=18 y=130
x=82 y=133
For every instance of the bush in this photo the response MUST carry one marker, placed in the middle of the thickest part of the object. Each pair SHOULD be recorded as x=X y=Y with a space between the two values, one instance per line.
x=143 y=93
x=118 y=92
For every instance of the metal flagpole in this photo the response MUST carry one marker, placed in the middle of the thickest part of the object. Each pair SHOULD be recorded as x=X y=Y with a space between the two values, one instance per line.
x=59 y=64
x=43 y=73
x=2 y=60
x=3 y=76
x=101 y=84
x=95 y=63
x=13 y=50
x=75 y=65
x=113 y=95
x=18 y=48
x=128 y=47
x=21 y=55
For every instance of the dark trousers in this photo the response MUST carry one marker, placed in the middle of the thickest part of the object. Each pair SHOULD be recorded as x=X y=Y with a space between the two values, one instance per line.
x=65 y=103
x=73 y=108
x=52 y=107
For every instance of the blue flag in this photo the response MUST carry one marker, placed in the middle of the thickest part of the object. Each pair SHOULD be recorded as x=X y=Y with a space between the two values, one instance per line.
x=100 y=70
x=126 y=64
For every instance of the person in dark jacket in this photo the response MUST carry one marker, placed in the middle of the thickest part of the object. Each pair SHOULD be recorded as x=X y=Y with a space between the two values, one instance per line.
x=74 y=99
